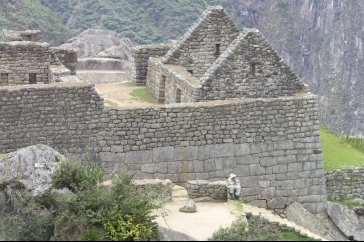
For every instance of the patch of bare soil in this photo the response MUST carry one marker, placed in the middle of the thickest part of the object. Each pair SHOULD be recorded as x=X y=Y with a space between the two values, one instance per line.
x=118 y=95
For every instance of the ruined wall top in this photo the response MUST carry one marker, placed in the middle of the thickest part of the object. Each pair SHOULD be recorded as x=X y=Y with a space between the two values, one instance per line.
x=26 y=35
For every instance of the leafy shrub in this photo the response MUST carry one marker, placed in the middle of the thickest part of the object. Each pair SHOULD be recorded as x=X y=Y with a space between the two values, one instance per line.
x=74 y=175
x=21 y=218
x=255 y=230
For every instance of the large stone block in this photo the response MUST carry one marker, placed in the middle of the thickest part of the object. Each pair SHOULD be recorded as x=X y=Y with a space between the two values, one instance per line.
x=163 y=154
x=149 y=168
x=249 y=191
x=204 y=152
x=259 y=203
x=247 y=159
x=174 y=167
x=187 y=166
x=277 y=202
x=139 y=157
x=221 y=150
x=256 y=170
x=242 y=149
x=198 y=166
x=186 y=153
x=250 y=181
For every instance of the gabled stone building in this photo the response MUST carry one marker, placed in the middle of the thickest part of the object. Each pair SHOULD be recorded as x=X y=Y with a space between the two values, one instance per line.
x=214 y=61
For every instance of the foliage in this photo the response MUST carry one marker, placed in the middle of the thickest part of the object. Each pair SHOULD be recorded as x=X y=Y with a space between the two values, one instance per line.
x=337 y=153
x=31 y=14
x=255 y=230
x=107 y=213
x=112 y=104
x=73 y=175
x=292 y=236
x=21 y=218
x=143 y=94
x=356 y=142
x=349 y=202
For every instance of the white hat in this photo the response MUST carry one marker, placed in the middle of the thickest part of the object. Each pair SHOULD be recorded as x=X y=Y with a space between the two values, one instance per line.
x=232 y=175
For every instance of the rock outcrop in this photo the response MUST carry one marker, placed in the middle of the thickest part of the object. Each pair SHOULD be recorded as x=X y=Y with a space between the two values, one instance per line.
x=298 y=214
x=347 y=220
x=32 y=166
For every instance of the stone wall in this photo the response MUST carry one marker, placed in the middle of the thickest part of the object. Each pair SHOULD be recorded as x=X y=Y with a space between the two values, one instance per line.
x=346 y=182
x=197 y=50
x=153 y=188
x=201 y=188
x=26 y=35
x=67 y=57
x=140 y=56
x=273 y=145
x=25 y=62
x=170 y=84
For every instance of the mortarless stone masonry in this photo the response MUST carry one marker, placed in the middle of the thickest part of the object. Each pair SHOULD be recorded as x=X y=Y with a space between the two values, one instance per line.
x=271 y=143
x=265 y=129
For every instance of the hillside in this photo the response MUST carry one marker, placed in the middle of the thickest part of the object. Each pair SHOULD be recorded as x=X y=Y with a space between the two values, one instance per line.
x=31 y=14
x=320 y=40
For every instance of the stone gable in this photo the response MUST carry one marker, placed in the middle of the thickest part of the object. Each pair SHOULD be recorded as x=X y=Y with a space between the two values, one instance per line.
x=199 y=48
x=251 y=68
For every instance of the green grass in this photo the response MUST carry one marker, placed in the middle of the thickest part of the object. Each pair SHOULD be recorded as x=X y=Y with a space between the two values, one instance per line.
x=292 y=236
x=143 y=94
x=2 y=155
x=110 y=103
x=337 y=153
x=349 y=202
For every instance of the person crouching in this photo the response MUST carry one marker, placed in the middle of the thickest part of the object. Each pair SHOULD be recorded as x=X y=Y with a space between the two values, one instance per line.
x=233 y=186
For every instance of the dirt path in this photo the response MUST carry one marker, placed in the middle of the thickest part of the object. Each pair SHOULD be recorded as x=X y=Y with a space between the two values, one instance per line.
x=210 y=216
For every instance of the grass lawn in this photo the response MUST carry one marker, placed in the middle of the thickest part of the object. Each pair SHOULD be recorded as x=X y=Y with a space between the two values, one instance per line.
x=292 y=236
x=110 y=103
x=337 y=153
x=2 y=155
x=143 y=94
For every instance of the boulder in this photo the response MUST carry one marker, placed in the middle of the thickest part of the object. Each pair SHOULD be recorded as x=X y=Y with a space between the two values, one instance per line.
x=32 y=166
x=172 y=235
x=347 y=220
x=297 y=213
x=189 y=207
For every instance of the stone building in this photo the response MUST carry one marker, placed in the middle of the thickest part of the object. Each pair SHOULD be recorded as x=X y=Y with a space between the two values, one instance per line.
x=25 y=60
x=214 y=61
x=233 y=107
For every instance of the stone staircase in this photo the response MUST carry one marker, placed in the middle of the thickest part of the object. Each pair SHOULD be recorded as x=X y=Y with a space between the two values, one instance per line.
x=275 y=219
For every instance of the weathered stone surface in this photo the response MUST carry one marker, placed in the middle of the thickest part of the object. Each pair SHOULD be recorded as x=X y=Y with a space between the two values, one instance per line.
x=33 y=166
x=298 y=214
x=189 y=207
x=346 y=220
x=171 y=235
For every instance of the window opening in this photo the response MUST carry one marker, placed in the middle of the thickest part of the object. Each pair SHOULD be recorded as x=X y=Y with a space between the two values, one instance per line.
x=217 y=49
x=32 y=78
x=178 y=95
x=4 y=79
x=253 y=68
x=162 y=89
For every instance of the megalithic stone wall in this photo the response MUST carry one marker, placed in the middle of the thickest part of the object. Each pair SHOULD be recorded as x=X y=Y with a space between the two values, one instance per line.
x=272 y=144
x=140 y=56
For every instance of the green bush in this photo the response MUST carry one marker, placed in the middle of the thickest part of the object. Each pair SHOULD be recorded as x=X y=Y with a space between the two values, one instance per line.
x=255 y=230
x=74 y=175
x=21 y=218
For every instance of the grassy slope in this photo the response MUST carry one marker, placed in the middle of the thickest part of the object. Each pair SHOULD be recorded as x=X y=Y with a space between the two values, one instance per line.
x=337 y=153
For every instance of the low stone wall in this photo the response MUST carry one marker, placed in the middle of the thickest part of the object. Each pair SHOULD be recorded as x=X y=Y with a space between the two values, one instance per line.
x=67 y=57
x=171 y=85
x=203 y=188
x=347 y=182
x=140 y=56
x=153 y=188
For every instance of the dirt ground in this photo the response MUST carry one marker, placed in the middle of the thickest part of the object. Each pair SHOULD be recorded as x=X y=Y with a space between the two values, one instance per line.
x=119 y=94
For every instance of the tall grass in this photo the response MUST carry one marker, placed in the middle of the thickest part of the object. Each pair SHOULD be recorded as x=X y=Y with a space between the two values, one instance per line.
x=355 y=141
x=337 y=153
